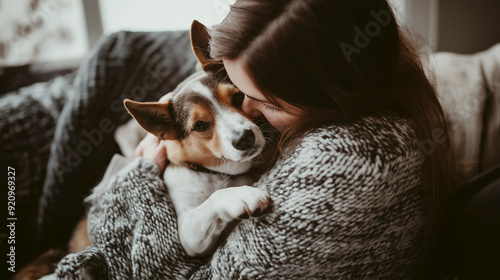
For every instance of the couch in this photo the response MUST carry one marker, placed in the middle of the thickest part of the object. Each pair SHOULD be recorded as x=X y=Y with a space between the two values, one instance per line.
x=468 y=87
x=469 y=91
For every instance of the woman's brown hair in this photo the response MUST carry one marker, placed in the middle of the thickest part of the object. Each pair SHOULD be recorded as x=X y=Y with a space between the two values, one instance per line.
x=340 y=60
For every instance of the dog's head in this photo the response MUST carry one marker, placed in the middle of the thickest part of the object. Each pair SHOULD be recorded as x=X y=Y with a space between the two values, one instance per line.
x=200 y=121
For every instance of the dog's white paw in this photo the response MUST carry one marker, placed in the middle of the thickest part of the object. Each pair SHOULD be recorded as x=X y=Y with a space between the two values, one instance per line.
x=241 y=202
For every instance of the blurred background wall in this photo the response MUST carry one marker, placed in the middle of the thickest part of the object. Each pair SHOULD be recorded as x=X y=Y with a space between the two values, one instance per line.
x=468 y=26
x=52 y=31
x=41 y=31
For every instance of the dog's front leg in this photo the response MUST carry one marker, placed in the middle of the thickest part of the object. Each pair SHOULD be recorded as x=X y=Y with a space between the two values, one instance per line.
x=200 y=228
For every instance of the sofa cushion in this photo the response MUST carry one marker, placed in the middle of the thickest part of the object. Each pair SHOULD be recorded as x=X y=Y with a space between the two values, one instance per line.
x=491 y=66
x=468 y=88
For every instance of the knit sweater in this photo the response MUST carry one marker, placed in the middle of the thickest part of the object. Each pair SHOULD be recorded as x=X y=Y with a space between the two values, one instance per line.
x=348 y=203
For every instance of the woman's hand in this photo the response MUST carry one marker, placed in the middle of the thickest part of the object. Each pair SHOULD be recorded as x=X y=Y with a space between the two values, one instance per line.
x=153 y=149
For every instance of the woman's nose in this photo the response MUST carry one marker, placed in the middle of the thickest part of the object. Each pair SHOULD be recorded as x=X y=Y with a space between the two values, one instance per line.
x=249 y=107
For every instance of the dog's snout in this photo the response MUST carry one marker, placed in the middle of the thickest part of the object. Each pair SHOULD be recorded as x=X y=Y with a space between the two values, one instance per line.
x=246 y=141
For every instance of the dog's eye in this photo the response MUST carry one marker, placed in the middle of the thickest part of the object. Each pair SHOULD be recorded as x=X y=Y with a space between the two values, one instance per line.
x=237 y=99
x=200 y=126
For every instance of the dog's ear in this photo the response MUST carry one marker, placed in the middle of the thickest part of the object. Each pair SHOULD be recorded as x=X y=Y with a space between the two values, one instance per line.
x=154 y=117
x=200 y=40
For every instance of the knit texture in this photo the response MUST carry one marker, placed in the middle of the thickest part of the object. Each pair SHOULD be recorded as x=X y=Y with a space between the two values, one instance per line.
x=58 y=135
x=28 y=118
x=348 y=204
x=140 y=66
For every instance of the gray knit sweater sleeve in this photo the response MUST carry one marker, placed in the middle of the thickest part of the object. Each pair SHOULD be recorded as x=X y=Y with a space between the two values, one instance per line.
x=133 y=229
x=348 y=204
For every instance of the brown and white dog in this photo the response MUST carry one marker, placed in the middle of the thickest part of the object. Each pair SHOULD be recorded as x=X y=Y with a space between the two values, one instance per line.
x=211 y=147
x=209 y=144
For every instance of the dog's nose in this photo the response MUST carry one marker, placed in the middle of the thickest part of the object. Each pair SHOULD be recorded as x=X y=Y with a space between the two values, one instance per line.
x=246 y=141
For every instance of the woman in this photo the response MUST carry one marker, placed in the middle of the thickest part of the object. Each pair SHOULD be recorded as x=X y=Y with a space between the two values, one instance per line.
x=355 y=195
x=346 y=68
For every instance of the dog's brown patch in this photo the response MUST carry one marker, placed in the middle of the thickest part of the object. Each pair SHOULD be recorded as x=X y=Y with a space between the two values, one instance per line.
x=80 y=238
x=192 y=151
x=204 y=155
x=225 y=94
x=201 y=147
x=175 y=152
x=154 y=117
x=43 y=265
x=204 y=114
x=200 y=40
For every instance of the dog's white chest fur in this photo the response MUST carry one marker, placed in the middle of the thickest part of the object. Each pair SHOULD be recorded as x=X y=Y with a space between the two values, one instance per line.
x=205 y=203
x=188 y=188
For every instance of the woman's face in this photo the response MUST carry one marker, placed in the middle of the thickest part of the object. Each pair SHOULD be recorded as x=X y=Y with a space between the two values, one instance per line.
x=255 y=104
